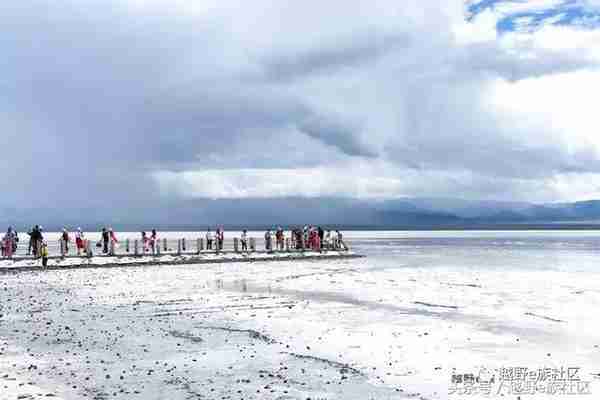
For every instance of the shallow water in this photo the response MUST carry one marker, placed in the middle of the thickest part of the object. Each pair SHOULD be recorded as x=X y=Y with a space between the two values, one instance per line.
x=421 y=307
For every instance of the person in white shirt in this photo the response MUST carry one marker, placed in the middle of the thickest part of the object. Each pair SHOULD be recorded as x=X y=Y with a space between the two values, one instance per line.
x=327 y=240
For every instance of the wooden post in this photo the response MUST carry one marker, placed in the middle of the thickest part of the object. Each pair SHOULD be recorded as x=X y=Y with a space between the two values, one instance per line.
x=236 y=245
x=165 y=248
x=112 y=248
x=252 y=244
x=156 y=247
x=287 y=244
x=183 y=244
x=61 y=244
x=178 y=247
x=136 y=248
x=127 y=245
x=198 y=245
x=201 y=244
x=88 y=248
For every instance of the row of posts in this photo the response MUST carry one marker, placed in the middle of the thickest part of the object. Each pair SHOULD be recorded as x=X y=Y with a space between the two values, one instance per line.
x=182 y=247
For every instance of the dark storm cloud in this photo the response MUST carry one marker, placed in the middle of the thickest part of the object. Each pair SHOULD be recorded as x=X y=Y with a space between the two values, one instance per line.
x=352 y=52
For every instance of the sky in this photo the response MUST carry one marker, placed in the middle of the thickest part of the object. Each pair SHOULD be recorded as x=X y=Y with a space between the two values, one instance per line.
x=123 y=103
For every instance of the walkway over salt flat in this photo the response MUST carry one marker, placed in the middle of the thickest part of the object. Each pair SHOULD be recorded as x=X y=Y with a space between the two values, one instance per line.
x=130 y=252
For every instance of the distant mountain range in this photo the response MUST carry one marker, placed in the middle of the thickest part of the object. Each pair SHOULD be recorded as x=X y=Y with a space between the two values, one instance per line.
x=407 y=213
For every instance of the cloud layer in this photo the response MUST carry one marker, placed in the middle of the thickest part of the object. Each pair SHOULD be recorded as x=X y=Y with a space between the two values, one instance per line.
x=128 y=102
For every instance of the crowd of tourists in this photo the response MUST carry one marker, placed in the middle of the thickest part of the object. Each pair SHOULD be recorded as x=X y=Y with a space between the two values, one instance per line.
x=309 y=237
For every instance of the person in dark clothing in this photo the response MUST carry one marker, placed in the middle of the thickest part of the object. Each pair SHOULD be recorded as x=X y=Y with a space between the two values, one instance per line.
x=66 y=239
x=15 y=242
x=105 y=240
x=35 y=240
x=299 y=244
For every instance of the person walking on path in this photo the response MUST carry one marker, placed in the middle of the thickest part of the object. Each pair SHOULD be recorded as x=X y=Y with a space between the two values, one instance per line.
x=80 y=242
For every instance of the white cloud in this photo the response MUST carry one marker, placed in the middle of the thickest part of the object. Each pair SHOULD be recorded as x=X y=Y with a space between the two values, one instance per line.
x=258 y=99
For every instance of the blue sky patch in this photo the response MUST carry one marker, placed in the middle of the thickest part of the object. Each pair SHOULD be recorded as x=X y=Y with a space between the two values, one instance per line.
x=565 y=13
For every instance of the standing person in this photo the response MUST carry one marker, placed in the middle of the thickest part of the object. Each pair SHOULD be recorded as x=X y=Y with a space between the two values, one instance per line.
x=340 y=240
x=221 y=237
x=209 y=239
x=4 y=246
x=327 y=239
x=145 y=241
x=9 y=242
x=15 y=243
x=154 y=241
x=105 y=239
x=321 y=233
x=244 y=240
x=44 y=254
x=80 y=242
x=268 y=240
x=40 y=240
x=306 y=236
x=299 y=242
x=113 y=240
x=279 y=238
x=66 y=239
x=36 y=240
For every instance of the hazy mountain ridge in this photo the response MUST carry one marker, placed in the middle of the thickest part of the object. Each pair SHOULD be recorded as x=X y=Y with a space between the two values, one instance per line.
x=398 y=213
